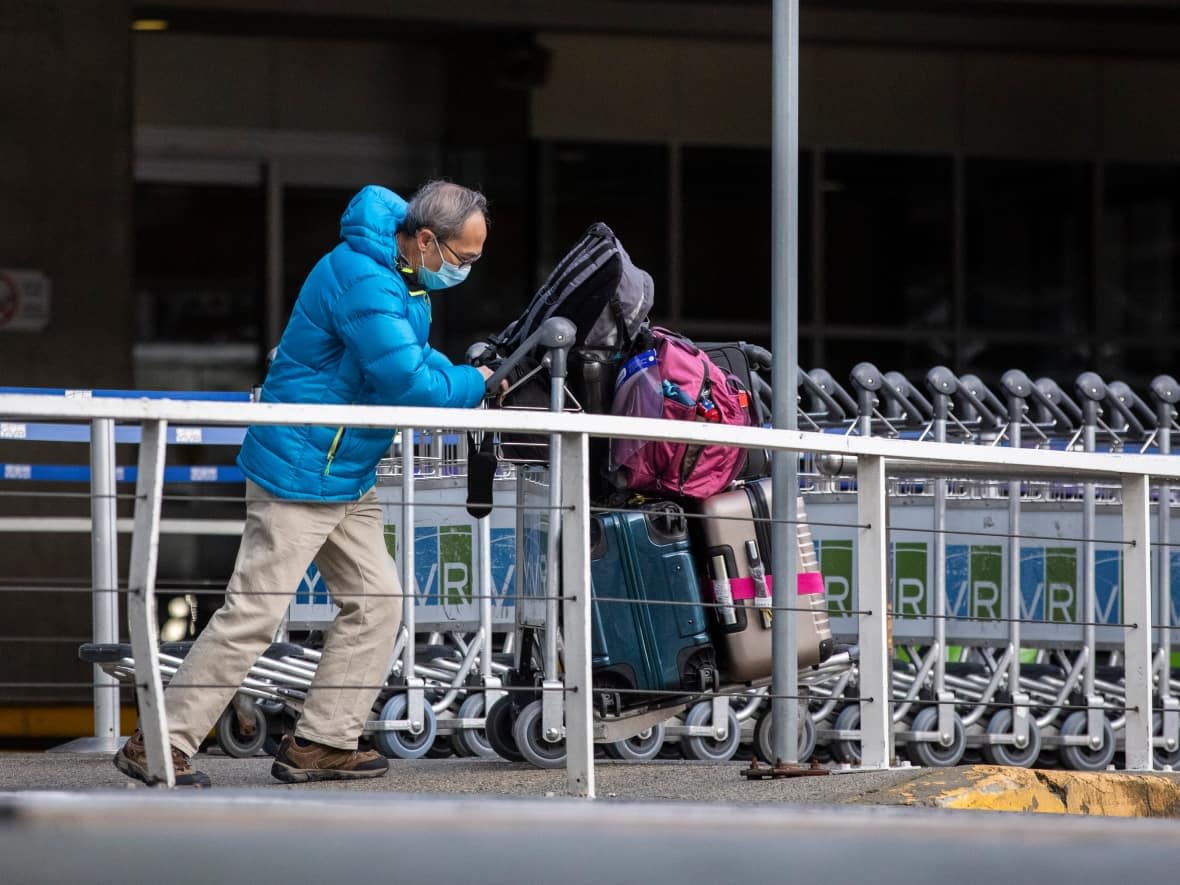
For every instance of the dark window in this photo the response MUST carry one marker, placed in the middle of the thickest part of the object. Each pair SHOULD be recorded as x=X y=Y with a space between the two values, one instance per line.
x=727 y=238
x=912 y=356
x=1136 y=311
x=889 y=241
x=625 y=186
x=1029 y=247
x=199 y=260
x=311 y=229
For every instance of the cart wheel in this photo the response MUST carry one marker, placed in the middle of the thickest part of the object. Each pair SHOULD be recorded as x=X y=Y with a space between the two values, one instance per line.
x=764 y=737
x=498 y=729
x=642 y=747
x=402 y=744
x=1010 y=754
x=458 y=747
x=472 y=741
x=1164 y=758
x=931 y=753
x=707 y=749
x=531 y=742
x=231 y=739
x=444 y=747
x=1083 y=758
x=847 y=751
x=610 y=750
x=271 y=708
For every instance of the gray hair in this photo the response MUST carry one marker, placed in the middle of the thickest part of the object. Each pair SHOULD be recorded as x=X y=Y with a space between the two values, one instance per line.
x=444 y=207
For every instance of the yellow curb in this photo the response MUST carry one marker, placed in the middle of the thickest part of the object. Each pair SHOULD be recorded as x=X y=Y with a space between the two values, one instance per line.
x=56 y=721
x=996 y=788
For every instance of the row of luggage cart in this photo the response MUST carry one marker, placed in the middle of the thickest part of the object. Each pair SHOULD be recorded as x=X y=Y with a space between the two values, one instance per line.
x=1036 y=691
x=684 y=670
x=1055 y=695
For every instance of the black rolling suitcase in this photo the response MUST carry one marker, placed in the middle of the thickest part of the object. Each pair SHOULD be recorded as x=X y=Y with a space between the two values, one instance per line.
x=750 y=364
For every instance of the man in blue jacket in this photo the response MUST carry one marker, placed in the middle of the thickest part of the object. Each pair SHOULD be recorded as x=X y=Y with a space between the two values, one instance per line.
x=357 y=334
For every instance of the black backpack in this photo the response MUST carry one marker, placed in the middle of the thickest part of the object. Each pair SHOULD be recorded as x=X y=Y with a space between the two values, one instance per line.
x=596 y=287
x=608 y=299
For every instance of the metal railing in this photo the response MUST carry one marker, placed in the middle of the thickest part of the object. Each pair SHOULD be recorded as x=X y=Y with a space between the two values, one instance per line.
x=876 y=459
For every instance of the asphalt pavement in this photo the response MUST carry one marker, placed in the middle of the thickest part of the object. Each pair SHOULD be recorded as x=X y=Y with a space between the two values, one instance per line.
x=268 y=834
x=657 y=780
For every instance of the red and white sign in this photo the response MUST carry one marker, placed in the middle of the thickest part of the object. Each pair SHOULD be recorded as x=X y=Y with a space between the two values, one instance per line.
x=24 y=301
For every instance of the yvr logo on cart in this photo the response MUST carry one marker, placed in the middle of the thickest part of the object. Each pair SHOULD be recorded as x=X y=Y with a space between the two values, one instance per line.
x=313 y=589
x=444 y=567
x=976 y=581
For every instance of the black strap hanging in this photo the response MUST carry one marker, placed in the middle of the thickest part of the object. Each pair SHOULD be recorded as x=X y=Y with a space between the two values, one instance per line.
x=481 y=471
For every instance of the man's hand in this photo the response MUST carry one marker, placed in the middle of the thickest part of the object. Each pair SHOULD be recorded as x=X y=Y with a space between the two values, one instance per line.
x=488 y=373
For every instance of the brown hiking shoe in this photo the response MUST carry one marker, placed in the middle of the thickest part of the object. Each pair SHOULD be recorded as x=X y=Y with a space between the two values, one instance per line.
x=297 y=765
x=132 y=761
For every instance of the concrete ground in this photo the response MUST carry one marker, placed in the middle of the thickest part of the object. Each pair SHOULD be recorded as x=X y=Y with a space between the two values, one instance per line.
x=71 y=818
x=659 y=780
x=968 y=787
x=270 y=833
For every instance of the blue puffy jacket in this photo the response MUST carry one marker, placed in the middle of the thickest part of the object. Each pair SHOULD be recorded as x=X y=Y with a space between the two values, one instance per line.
x=357 y=334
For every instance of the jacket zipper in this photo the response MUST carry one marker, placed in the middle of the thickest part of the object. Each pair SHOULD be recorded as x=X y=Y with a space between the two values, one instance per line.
x=332 y=449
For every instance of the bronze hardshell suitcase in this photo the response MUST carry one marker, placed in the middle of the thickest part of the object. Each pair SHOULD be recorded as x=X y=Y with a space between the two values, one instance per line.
x=733 y=555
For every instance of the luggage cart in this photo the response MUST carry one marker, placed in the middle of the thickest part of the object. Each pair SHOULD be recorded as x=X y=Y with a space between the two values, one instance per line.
x=1085 y=737
x=1165 y=393
x=272 y=692
x=634 y=725
x=936 y=736
x=1010 y=736
x=459 y=677
x=528 y=724
x=463 y=685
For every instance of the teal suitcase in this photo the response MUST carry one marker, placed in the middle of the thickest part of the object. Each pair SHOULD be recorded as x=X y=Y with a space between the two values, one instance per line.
x=636 y=557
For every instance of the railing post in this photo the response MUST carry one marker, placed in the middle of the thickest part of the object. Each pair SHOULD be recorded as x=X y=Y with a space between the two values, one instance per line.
x=785 y=709
x=551 y=684
x=104 y=553
x=1137 y=617
x=415 y=686
x=575 y=593
x=872 y=544
x=141 y=601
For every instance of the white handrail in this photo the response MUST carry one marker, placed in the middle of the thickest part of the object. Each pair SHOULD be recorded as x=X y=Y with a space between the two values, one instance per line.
x=875 y=458
x=912 y=453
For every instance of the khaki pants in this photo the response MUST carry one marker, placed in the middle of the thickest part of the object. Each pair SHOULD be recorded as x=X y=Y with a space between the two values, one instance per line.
x=280 y=540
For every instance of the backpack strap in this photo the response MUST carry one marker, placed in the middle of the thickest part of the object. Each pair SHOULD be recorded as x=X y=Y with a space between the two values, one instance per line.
x=616 y=306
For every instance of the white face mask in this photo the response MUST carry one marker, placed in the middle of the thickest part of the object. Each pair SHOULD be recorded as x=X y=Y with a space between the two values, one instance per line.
x=446 y=276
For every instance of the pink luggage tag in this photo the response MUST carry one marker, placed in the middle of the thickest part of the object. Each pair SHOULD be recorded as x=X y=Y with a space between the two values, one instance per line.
x=807 y=584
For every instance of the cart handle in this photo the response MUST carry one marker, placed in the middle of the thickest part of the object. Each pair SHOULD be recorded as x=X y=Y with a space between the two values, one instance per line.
x=1164 y=389
x=1048 y=387
x=824 y=381
x=982 y=400
x=942 y=384
x=817 y=391
x=1018 y=384
x=1134 y=411
x=556 y=335
x=905 y=394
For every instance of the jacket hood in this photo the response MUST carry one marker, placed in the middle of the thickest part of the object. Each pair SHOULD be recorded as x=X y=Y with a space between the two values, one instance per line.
x=370 y=223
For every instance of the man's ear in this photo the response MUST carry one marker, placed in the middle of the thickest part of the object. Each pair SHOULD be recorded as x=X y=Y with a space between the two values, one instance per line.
x=424 y=237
